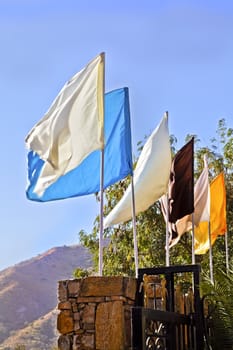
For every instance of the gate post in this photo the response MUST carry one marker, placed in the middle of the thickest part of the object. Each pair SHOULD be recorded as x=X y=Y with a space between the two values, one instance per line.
x=95 y=313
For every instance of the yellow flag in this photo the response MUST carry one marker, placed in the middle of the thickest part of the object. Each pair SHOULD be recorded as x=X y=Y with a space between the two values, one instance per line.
x=218 y=224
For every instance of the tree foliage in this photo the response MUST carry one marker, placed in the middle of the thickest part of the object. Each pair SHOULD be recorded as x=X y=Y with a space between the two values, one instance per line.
x=219 y=298
x=118 y=251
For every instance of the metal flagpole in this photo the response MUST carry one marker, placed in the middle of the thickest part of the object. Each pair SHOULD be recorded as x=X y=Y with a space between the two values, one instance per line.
x=193 y=236
x=102 y=188
x=227 y=252
x=193 y=250
x=101 y=214
x=167 y=221
x=167 y=234
x=210 y=255
x=134 y=229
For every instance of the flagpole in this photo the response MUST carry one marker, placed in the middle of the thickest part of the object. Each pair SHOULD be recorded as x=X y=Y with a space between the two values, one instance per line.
x=167 y=221
x=102 y=183
x=101 y=214
x=134 y=228
x=193 y=250
x=167 y=234
x=210 y=256
x=227 y=252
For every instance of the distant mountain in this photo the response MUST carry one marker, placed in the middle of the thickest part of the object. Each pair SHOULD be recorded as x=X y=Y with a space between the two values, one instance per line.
x=40 y=334
x=28 y=296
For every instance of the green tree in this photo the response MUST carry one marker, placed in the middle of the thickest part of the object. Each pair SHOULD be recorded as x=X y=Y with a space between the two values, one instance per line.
x=20 y=347
x=118 y=252
x=220 y=158
x=219 y=298
x=80 y=273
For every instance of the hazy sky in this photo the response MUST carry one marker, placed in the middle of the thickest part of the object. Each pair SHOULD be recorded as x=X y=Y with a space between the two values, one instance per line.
x=174 y=56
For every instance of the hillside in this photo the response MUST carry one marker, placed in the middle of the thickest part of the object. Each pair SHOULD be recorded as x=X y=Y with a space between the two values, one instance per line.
x=40 y=334
x=28 y=290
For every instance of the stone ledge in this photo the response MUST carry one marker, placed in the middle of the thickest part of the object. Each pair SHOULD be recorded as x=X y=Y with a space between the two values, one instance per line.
x=108 y=286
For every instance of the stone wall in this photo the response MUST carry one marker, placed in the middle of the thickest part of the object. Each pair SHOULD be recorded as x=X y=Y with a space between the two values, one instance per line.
x=95 y=313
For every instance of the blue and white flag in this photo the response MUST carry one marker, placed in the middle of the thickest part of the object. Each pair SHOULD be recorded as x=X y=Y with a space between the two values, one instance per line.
x=85 y=178
x=73 y=126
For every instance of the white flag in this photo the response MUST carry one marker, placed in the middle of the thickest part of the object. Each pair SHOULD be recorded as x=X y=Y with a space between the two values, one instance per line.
x=201 y=203
x=150 y=176
x=202 y=196
x=73 y=126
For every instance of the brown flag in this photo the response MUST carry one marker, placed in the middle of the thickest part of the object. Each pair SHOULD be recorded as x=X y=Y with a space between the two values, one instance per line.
x=181 y=185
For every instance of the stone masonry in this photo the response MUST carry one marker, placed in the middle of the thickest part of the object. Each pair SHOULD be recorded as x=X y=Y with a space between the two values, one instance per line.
x=95 y=313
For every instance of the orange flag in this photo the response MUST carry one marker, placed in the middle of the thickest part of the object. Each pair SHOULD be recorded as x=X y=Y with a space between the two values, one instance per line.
x=218 y=224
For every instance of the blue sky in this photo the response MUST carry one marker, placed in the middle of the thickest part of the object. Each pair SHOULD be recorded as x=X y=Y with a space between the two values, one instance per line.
x=174 y=56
